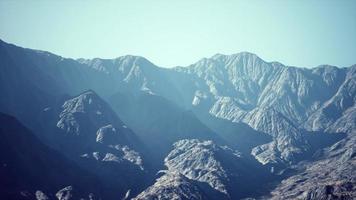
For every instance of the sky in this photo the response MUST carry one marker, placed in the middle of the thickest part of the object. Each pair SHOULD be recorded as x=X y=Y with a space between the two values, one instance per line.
x=304 y=33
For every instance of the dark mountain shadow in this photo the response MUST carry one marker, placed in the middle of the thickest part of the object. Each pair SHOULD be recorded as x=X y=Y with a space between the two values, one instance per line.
x=319 y=140
x=159 y=122
x=208 y=191
x=239 y=136
x=27 y=165
x=251 y=178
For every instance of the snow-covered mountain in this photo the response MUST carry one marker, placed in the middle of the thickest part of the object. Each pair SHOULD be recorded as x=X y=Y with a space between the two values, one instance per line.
x=124 y=119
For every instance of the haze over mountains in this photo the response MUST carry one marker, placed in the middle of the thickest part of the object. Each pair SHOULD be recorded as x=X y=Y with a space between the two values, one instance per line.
x=225 y=127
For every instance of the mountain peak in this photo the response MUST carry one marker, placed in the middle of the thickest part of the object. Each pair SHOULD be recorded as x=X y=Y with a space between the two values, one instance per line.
x=88 y=103
x=138 y=60
x=243 y=54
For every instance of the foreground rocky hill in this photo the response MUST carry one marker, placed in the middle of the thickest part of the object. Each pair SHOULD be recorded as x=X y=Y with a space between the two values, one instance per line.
x=223 y=173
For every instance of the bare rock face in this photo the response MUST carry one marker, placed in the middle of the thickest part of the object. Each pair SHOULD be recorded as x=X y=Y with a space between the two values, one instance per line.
x=92 y=122
x=65 y=193
x=85 y=107
x=198 y=160
x=41 y=196
x=336 y=114
x=346 y=123
x=288 y=142
x=173 y=186
x=332 y=176
x=106 y=135
x=69 y=193
x=217 y=170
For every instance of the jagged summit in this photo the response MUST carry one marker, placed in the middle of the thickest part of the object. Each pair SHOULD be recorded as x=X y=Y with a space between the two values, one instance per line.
x=87 y=102
x=245 y=54
x=131 y=59
x=232 y=59
x=134 y=58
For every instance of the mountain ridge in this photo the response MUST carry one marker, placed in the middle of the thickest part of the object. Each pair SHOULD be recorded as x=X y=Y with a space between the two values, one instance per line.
x=277 y=116
x=230 y=87
x=142 y=57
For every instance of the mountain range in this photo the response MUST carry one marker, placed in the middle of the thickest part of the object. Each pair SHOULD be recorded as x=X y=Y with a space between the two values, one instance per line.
x=225 y=127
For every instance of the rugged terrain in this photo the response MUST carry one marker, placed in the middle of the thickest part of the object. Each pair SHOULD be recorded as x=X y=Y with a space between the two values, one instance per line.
x=225 y=127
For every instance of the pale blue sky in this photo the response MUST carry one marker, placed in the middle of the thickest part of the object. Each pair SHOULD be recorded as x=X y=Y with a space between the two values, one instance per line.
x=302 y=33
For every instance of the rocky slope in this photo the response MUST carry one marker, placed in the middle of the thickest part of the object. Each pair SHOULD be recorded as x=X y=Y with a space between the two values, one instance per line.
x=335 y=115
x=176 y=186
x=87 y=117
x=270 y=97
x=223 y=171
x=88 y=131
x=331 y=176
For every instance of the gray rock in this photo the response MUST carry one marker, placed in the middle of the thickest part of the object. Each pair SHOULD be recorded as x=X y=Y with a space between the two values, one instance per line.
x=65 y=193
x=173 y=186
x=331 y=176
x=41 y=196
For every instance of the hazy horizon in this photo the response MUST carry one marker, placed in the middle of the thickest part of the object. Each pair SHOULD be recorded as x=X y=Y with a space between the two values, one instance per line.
x=303 y=33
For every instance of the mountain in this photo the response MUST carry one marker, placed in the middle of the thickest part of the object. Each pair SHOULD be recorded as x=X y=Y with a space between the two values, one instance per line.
x=239 y=88
x=32 y=80
x=88 y=117
x=124 y=119
x=88 y=131
x=117 y=80
x=30 y=168
x=134 y=74
x=269 y=97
